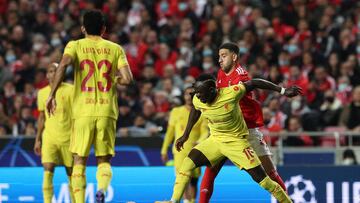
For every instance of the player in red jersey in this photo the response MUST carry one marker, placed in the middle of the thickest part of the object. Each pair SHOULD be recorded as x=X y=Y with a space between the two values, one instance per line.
x=231 y=73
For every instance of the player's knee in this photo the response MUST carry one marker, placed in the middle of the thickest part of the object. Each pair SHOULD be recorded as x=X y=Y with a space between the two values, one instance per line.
x=257 y=173
x=79 y=160
x=49 y=167
x=198 y=158
x=103 y=159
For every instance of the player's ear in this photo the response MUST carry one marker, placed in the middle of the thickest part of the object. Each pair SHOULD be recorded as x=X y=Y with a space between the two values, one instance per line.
x=235 y=57
x=83 y=30
x=213 y=90
x=103 y=29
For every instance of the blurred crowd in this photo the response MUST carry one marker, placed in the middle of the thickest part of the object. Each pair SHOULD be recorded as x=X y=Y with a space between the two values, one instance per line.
x=314 y=44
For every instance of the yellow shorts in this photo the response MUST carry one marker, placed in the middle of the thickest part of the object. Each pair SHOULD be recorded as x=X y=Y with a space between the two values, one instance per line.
x=56 y=153
x=237 y=151
x=179 y=158
x=97 y=131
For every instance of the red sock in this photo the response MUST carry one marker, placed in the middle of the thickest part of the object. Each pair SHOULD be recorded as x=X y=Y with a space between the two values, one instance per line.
x=276 y=177
x=207 y=182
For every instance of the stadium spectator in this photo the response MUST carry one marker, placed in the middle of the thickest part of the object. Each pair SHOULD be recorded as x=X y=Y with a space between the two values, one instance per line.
x=330 y=109
x=349 y=157
x=350 y=115
x=294 y=126
x=277 y=39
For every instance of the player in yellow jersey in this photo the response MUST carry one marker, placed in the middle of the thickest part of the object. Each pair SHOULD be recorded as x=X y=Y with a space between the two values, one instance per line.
x=53 y=133
x=176 y=126
x=98 y=65
x=228 y=133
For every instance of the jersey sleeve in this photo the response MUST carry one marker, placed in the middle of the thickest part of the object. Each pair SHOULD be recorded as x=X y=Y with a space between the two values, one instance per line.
x=170 y=133
x=239 y=90
x=70 y=49
x=40 y=101
x=122 y=61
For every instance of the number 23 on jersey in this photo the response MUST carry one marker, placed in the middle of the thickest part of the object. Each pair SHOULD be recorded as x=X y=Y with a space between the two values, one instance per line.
x=102 y=86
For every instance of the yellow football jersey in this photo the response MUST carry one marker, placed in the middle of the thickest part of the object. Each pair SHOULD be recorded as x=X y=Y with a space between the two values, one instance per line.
x=96 y=62
x=176 y=126
x=58 y=126
x=224 y=115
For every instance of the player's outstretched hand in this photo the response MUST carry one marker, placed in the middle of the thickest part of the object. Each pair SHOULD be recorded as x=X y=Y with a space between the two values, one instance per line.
x=293 y=91
x=180 y=143
x=50 y=105
x=37 y=147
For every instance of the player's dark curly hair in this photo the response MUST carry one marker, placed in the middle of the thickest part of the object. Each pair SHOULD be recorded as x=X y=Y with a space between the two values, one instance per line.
x=204 y=77
x=93 y=22
x=230 y=46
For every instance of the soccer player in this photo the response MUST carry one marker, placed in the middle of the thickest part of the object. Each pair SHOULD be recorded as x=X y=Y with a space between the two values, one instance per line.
x=97 y=63
x=176 y=126
x=53 y=133
x=228 y=133
x=231 y=73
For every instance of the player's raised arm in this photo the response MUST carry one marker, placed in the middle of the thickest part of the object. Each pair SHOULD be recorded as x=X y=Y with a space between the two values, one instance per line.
x=258 y=83
x=193 y=118
x=59 y=75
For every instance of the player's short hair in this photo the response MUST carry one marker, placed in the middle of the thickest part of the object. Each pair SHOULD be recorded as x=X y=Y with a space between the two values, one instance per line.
x=205 y=78
x=231 y=47
x=93 y=21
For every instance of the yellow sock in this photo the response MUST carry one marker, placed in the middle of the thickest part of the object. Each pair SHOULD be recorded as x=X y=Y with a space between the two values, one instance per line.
x=71 y=190
x=103 y=176
x=48 y=188
x=78 y=184
x=182 y=178
x=275 y=189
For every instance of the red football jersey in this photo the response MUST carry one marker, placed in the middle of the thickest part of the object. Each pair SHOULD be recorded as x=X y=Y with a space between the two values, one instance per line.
x=250 y=108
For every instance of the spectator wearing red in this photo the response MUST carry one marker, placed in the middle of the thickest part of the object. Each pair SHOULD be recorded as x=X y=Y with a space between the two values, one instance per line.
x=294 y=126
x=323 y=80
x=165 y=56
x=296 y=77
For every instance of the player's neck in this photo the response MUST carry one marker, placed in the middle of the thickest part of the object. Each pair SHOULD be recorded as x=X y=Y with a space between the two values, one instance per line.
x=212 y=100
x=232 y=69
x=188 y=106
x=92 y=36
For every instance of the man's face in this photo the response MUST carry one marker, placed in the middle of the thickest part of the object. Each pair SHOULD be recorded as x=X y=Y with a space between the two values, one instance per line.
x=50 y=73
x=226 y=59
x=205 y=91
x=187 y=96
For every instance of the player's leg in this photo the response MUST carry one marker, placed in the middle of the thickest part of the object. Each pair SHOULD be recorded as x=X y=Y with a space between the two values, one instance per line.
x=262 y=150
x=78 y=178
x=205 y=153
x=103 y=176
x=207 y=182
x=68 y=162
x=271 y=170
x=48 y=188
x=193 y=185
x=243 y=156
x=69 y=173
x=80 y=144
x=104 y=145
x=258 y=174
x=178 y=159
x=49 y=157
